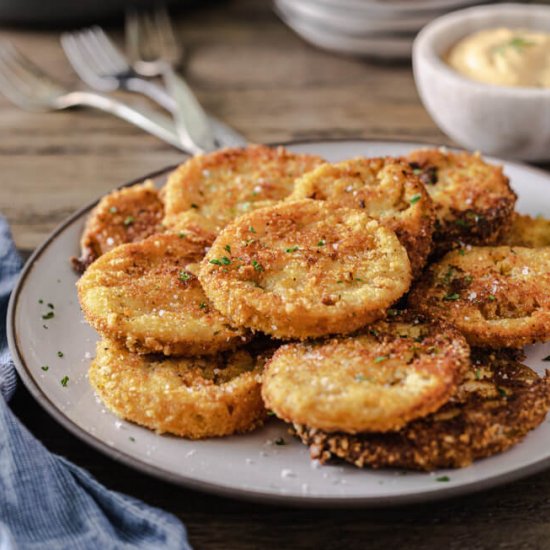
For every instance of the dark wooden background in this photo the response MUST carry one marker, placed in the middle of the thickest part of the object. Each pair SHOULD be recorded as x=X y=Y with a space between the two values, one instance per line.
x=250 y=70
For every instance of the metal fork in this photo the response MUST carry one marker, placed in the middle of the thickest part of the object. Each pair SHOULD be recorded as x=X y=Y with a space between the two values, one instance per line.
x=100 y=64
x=154 y=50
x=22 y=82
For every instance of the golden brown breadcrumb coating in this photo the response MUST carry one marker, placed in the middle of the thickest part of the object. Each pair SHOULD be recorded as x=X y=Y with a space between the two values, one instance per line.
x=210 y=190
x=497 y=404
x=193 y=397
x=384 y=188
x=528 y=231
x=147 y=296
x=126 y=215
x=303 y=269
x=378 y=380
x=496 y=296
x=474 y=203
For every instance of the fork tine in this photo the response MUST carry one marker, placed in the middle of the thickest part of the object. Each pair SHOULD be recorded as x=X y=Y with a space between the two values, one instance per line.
x=95 y=50
x=19 y=75
x=165 y=29
x=109 y=48
x=132 y=35
x=78 y=57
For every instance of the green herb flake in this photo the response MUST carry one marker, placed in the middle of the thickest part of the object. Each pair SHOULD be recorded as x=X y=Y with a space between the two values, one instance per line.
x=44 y=367
x=415 y=198
x=182 y=235
x=113 y=210
x=461 y=251
x=40 y=301
x=359 y=280
x=492 y=297
x=227 y=248
x=443 y=479
x=462 y=223
x=203 y=305
x=291 y=249
x=392 y=312
x=225 y=260
x=257 y=266
x=280 y=441
x=215 y=262
x=478 y=374
x=270 y=413
x=65 y=381
x=129 y=220
x=132 y=439
x=380 y=358
x=360 y=378
x=60 y=354
x=51 y=306
x=451 y=297
x=417 y=171
x=502 y=392
x=183 y=275
x=321 y=243
x=193 y=205
x=49 y=315
x=251 y=229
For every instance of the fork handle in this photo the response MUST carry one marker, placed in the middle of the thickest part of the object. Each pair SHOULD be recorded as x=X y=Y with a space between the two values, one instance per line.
x=154 y=123
x=224 y=134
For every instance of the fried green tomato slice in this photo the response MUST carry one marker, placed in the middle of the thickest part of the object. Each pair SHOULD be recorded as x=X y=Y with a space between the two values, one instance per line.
x=147 y=296
x=211 y=190
x=304 y=269
x=474 y=203
x=528 y=231
x=124 y=216
x=496 y=296
x=384 y=188
x=194 y=397
x=497 y=404
x=378 y=380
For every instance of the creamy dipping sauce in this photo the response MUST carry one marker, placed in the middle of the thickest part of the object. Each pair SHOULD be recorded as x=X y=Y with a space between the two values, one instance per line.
x=506 y=57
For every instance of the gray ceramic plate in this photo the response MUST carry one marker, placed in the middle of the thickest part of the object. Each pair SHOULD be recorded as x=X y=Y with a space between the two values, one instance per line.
x=250 y=466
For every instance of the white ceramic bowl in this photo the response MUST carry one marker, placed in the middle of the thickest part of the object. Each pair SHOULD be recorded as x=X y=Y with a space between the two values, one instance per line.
x=509 y=122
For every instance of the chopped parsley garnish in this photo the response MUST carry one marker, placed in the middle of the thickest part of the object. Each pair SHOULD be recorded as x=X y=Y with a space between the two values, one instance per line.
x=292 y=249
x=340 y=282
x=45 y=368
x=393 y=312
x=113 y=210
x=502 y=392
x=359 y=280
x=251 y=229
x=182 y=235
x=280 y=441
x=462 y=223
x=65 y=381
x=270 y=413
x=451 y=297
x=517 y=43
x=321 y=243
x=360 y=378
x=224 y=260
x=461 y=251
x=129 y=220
x=59 y=354
x=132 y=439
x=183 y=276
x=40 y=301
x=417 y=171
x=257 y=266
x=203 y=305
x=478 y=374
x=468 y=280
x=193 y=205
x=380 y=358
x=51 y=306
x=373 y=332
x=492 y=297
x=227 y=248
x=443 y=478
x=48 y=315
x=415 y=198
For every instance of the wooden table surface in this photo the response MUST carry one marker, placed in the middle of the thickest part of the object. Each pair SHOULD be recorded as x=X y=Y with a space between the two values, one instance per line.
x=250 y=70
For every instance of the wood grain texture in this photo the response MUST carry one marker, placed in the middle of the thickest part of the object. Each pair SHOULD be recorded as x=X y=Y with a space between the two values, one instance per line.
x=250 y=70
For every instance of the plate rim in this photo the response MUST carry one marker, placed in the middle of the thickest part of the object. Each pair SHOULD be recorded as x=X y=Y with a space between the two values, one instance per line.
x=182 y=480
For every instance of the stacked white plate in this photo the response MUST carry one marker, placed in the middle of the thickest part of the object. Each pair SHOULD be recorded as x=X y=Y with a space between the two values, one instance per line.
x=375 y=28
